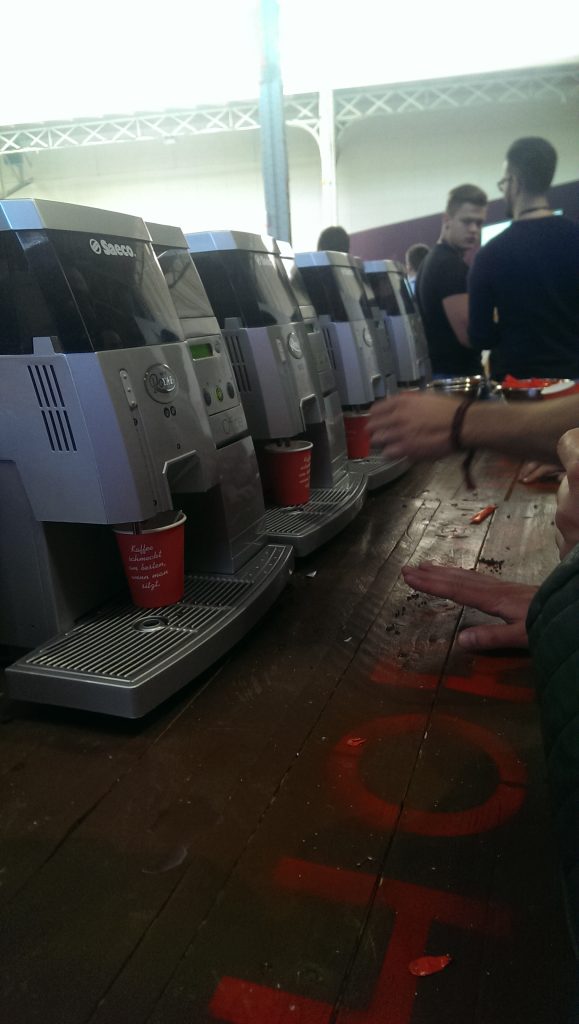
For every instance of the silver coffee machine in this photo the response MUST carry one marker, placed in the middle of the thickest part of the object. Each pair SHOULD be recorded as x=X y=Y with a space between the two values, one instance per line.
x=402 y=320
x=321 y=362
x=103 y=422
x=275 y=372
x=361 y=360
x=384 y=351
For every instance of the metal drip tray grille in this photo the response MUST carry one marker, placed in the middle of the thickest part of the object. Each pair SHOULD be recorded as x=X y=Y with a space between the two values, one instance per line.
x=112 y=644
x=378 y=471
x=213 y=590
x=126 y=644
x=327 y=512
x=301 y=517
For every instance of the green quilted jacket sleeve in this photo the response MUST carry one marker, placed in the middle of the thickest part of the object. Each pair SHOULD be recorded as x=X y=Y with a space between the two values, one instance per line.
x=553 y=628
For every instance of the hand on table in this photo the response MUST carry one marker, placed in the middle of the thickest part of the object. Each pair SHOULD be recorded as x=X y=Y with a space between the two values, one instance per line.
x=567 y=514
x=413 y=424
x=531 y=472
x=508 y=601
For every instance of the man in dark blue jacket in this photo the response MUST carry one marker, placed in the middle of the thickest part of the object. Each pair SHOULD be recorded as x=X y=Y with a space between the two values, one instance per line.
x=523 y=286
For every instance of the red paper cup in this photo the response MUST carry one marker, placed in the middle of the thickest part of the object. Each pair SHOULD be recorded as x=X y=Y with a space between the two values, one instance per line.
x=289 y=466
x=357 y=436
x=153 y=561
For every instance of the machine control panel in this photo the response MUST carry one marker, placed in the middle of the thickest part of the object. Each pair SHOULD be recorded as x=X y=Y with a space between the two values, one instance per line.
x=222 y=402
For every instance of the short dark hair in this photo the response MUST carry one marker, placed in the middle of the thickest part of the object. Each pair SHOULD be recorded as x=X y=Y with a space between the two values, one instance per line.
x=334 y=239
x=533 y=160
x=415 y=254
x=465 y=194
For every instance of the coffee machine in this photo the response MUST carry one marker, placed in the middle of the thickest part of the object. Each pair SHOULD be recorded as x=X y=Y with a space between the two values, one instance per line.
x=361 y=360
x=102 y=423
x=384 y=351
x=275 y=372
x=402 y=320
x=322 y=364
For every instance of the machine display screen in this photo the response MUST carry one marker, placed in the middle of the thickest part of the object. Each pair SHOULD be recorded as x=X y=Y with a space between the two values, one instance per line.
x=251 y=286
x=91 y=293
x=200 y=351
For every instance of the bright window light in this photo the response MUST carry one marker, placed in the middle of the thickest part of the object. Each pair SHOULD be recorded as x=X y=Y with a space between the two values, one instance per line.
x=62 y=60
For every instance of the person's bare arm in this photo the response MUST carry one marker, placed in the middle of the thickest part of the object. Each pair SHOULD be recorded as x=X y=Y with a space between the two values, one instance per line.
x=507 y=601
x=418 y=425
x=456 y=310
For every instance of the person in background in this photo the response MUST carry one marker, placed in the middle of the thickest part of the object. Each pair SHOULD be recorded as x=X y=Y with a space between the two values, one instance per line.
x=441 y=284
x=523 y=285
x=334 y=239
x=412 y=260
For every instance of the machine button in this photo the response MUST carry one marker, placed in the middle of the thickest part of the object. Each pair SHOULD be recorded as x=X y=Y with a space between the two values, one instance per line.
x=128 y=389
x=230 y=390
x=219 y=393
x=206 y=396
x=167 y=411
x=294 y=345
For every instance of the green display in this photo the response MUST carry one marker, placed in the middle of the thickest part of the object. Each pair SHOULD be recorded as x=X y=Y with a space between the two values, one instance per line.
x=200 y=351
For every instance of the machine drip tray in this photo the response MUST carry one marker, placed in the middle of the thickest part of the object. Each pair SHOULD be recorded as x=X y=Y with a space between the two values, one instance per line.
x=377 y=471
x=126 y=660
x=327 y=512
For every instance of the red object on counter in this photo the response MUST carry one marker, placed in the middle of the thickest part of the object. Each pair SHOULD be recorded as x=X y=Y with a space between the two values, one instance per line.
x=528 y=382
x=483 y=514
x=426 y=965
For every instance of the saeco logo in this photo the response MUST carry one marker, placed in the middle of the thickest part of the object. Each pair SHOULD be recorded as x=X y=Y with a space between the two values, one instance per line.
x=111 y=248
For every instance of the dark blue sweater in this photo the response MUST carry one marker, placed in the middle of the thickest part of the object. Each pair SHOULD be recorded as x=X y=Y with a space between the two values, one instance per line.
x=530 y=275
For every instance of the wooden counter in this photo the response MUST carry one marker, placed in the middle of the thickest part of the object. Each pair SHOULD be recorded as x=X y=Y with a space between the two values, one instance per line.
x=344 y=793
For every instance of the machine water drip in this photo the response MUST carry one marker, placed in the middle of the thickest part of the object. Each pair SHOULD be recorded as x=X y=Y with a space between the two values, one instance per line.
x=103 y=423
x=402 y=320
x=359 y=356
x=276 y=376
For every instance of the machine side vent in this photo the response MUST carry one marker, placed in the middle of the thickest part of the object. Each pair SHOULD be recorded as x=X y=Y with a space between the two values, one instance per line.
x=52 y=407
x=329 y=347
x=238 y=362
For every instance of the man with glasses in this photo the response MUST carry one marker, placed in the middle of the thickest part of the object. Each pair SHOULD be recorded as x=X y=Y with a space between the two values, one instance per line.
x=524 y=283
x=441 y=285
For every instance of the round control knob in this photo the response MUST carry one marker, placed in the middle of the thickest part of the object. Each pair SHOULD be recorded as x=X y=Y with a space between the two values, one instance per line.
x=230 y=390
x=206 y=396
x=294 y=345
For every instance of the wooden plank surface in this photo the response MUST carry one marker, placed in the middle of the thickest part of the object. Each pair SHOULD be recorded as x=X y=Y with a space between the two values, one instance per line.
x=261 y=848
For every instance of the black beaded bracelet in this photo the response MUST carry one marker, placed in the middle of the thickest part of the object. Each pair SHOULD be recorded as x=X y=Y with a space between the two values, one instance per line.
x=456 y=439
x=457 y=421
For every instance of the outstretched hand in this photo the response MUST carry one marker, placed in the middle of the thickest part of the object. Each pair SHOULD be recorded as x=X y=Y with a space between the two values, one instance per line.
x=508 y=601
x=413 y=424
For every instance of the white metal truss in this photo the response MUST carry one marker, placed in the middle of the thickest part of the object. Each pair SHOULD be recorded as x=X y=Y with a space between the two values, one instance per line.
x=506 y=87
x=560 y=82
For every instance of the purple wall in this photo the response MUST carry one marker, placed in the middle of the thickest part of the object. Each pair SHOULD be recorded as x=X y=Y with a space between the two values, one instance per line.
x=392 y=240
